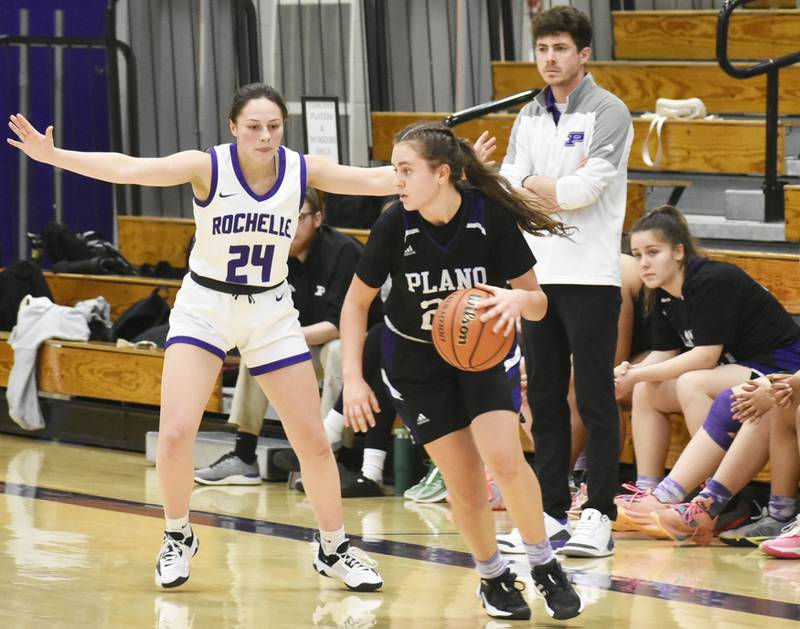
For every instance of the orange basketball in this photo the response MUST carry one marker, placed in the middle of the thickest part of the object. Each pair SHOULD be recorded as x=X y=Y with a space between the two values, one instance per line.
x=462 y=339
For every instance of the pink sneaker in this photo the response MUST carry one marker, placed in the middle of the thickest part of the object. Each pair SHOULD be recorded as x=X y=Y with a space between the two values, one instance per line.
x=633 y=510
x=688 y=521
x=787 y=544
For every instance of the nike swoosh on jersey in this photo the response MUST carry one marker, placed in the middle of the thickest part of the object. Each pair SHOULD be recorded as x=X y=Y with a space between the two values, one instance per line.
x=225 y=196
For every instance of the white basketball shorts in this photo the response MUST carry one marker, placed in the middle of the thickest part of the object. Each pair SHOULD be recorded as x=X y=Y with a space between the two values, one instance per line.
x=265 y=327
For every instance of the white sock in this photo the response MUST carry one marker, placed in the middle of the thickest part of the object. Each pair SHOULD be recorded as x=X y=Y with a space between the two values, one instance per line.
x=334 y=427
x=372 y=467
x=331 y=540
x=180 y=525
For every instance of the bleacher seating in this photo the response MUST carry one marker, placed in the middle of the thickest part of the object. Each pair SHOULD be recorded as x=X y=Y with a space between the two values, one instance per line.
x=638 y=83
x=98 y=370
x=753 y=34
x=121 y=291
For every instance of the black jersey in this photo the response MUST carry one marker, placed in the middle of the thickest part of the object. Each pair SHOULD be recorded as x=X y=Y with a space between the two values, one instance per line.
x=427 y=262
x=721 y=305
x=640 y=337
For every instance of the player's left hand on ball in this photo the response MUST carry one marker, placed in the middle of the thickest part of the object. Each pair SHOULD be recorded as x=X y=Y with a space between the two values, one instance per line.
x=502 y=306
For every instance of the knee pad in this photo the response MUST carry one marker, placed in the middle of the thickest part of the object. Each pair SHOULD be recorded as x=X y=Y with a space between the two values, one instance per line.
x=719 y=424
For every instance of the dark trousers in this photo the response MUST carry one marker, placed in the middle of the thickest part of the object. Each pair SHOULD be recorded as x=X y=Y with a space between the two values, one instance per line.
x=581 y=321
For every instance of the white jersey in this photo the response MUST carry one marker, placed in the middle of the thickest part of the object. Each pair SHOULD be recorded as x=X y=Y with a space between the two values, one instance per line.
x=243 y=237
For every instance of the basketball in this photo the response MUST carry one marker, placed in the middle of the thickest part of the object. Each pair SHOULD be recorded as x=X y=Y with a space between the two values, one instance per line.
x=460 y=337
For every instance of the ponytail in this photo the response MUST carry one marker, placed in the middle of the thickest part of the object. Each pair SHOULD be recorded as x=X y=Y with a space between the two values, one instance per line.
x=437 y=144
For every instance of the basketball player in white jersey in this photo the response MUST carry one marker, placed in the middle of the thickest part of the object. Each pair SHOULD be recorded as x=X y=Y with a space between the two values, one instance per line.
x=247 y=196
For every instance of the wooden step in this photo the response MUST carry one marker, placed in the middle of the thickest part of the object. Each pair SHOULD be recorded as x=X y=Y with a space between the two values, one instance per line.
x=753 y=34
x=639 y=83
x=733 y=147
x=121 y=291
x=721 y=147
x=791 y=200
x=141 y=241
x=98 y=370
x=778 y=272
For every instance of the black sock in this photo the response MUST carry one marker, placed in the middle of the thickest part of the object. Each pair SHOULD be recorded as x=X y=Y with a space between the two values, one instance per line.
x=246 y=447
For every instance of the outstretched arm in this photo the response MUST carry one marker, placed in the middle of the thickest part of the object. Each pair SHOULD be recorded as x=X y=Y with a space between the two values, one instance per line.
x=176 y=169
x=330 y=177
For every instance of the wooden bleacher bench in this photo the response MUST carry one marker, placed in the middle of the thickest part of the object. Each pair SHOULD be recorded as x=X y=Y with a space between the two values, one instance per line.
x=778 y=272
x=639 y=83
x=121 y=291
x=98 y=370
x=734 y=147
x=753 y=34
x=791 y=201
x=143 y=241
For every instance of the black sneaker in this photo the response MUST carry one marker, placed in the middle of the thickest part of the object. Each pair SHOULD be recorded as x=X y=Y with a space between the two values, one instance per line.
x=501 y=597
x=361 y=487
x=286 y=460
x=560 y=599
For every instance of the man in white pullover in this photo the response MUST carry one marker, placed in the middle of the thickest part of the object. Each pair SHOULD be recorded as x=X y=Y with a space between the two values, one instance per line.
x=571 y=146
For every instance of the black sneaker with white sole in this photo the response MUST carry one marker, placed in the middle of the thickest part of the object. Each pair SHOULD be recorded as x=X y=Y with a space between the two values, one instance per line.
x=360 y=487
x=350 y=564
x=561 y=601
x=501 y=597
x=172 y=565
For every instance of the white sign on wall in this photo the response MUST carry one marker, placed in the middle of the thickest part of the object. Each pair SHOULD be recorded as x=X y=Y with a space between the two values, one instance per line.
x=321 y=126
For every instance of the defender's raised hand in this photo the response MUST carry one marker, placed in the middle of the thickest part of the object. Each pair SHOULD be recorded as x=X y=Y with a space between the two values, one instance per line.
x=30 y=141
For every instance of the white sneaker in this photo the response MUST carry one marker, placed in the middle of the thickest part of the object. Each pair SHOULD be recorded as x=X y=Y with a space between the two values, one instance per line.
x=557 y=533
x=172 y=565
x=350 y=564
x=512 y=544
x=591 y=536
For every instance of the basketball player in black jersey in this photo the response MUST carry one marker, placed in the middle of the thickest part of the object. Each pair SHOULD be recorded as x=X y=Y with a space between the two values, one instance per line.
x=457 y=226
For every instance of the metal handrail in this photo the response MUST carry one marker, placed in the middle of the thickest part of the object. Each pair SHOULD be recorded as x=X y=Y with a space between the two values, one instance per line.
x=112 y=46
x=773 y=188
x=722 y=47
x=465 y=115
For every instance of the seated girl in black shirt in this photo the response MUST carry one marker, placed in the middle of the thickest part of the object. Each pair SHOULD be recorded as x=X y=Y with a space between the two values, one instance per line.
x=713 y=327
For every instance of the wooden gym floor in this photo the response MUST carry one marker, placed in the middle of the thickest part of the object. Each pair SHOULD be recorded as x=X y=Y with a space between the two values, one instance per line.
x=80 y=529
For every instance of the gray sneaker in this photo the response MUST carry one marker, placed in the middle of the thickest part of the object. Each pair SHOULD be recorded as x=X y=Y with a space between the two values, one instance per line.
x=411 y=492
x=229 y=469
x=433 y=489
x=759 y=529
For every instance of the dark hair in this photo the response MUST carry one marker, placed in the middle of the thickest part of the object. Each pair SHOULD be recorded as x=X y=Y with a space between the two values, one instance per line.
x=312 y=198
x=673 y=229
x=251 y=91
x=564 y=20
x=437 y=145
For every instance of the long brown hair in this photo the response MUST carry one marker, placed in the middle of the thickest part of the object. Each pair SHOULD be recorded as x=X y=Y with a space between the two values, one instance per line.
x=437 y=145
x=671 y=224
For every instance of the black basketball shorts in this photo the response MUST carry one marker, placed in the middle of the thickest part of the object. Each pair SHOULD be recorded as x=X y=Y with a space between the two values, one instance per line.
x=433 y=398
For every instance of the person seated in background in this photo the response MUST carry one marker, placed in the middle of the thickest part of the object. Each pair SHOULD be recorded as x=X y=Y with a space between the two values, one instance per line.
x=784 y=452
x=321 y=264
x=713 y=328
x=377 y=440
x=731 y=453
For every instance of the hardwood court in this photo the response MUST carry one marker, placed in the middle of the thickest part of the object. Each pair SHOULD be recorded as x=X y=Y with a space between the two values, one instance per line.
x=80 y=532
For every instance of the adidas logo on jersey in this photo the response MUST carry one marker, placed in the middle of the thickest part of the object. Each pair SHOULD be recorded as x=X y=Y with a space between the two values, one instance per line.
x=421 y=419
x=409 y=251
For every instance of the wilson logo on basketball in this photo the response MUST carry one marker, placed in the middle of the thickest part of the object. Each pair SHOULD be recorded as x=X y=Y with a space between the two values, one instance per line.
x=468 y=316
x=462 y=339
